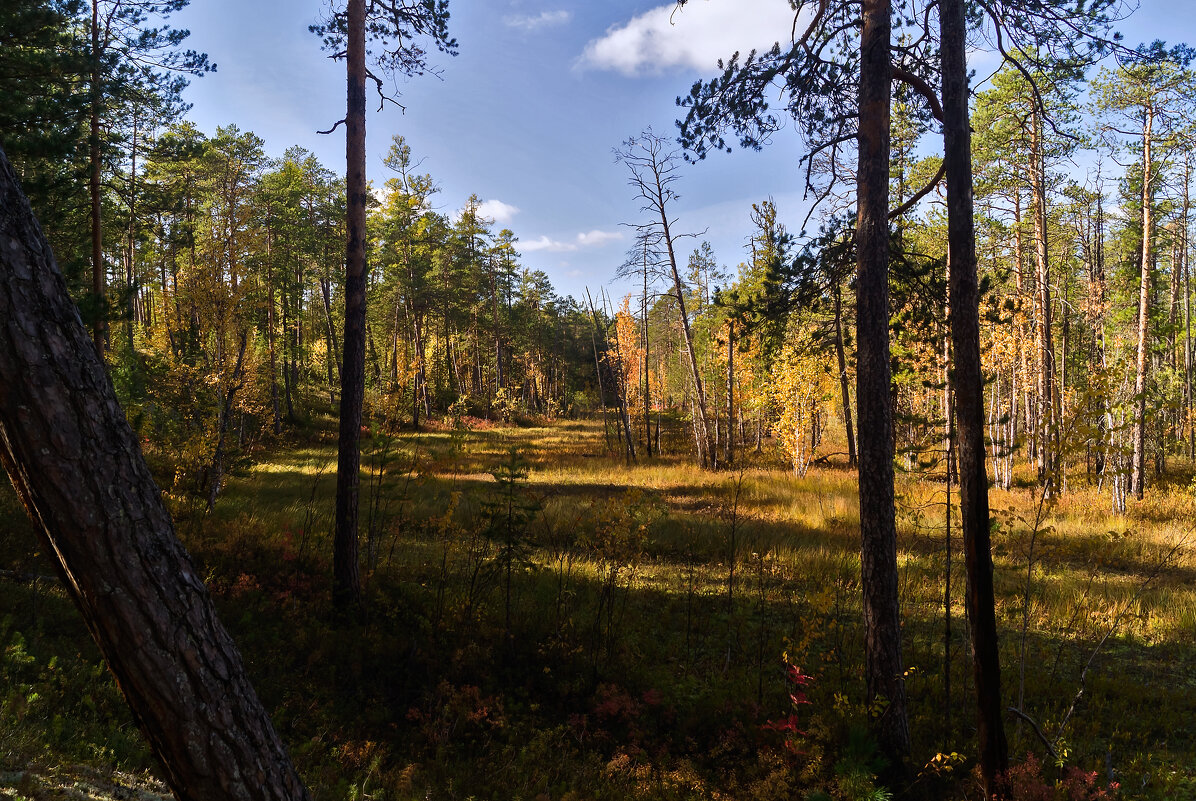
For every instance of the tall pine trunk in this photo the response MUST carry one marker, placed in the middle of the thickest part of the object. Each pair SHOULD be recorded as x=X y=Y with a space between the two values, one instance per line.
x=1138 y=468
x=967 y=382
x=844 y=383
x=98 y=277
x=1048 y=414
x=883 y=670
x=729 y=443
x=647 y=354
x=345 y=568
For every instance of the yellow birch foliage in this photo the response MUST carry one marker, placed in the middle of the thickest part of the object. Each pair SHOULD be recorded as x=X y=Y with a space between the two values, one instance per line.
x=627 y=359
x=801 y=387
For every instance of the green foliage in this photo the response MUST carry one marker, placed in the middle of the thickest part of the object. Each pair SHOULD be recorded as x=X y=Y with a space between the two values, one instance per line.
x=59 y=705
x=508 y=513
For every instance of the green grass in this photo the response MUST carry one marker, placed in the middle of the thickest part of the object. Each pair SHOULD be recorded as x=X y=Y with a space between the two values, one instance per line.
x=645 y=649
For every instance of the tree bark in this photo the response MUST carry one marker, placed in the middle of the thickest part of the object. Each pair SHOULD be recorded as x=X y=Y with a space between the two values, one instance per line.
x=334 y=359
x=1138 y=469
x=77 y=468
x=1048 y=423
x=883 y=669
x=647 y=377
x=729 y=443
x=706 y=450
x=98 y=277
x=131 y=289
x=1188 y=405
x=844 y=385
x=215 y=477
x=598 y=369
x=967 y=382
x=1023 y=366
x=419 y=384
x=346 y=576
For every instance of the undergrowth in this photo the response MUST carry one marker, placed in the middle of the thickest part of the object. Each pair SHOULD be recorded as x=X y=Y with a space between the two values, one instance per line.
x=544 y=622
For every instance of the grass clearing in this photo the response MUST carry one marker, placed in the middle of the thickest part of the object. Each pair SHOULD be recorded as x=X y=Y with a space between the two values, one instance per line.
x=650 y=608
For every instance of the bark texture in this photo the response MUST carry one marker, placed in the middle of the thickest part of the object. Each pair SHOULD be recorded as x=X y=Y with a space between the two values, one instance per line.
x=967 y=382
x=346 y=572
x=1138 y=474
x=883 y=670
x=1048 y=408
x=98 y=273
x=77 y=468
x=844 y=385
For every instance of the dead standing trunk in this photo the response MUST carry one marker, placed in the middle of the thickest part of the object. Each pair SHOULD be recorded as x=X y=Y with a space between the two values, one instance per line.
x=77 y=468
x=884 y=673
x=652 y=173
x=703 y=421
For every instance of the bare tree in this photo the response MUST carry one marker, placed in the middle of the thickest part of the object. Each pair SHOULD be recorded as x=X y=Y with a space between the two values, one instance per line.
x=653 y=166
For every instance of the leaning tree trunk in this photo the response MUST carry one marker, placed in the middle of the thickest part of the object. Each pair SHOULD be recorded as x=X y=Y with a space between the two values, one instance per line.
x=346 y=576
x=883 y=670
x=77 y=468
x=967 y=381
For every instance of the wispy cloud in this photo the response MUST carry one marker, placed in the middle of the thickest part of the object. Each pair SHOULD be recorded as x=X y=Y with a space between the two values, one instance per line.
x=588 y=239
x=546 y=244
x=534 y=22
x=596 y=238
x=501 y=213
x=693 y=37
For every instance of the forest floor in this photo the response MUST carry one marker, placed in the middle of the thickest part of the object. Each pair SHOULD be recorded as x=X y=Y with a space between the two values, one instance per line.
x=544 y=621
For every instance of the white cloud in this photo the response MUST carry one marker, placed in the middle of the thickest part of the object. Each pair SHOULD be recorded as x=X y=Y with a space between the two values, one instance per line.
x=693 y=37
x=501 y=213
x=544 y=243
x=588 y=239
x=545 y=19
x=598 y=238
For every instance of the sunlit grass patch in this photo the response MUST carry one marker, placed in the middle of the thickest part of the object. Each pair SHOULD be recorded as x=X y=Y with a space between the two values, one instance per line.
x=658 y=580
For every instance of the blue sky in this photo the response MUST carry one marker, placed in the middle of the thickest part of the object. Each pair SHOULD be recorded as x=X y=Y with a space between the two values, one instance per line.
x=527 y=115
